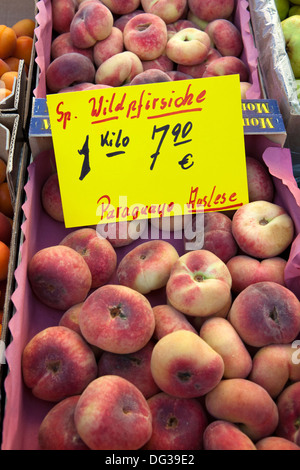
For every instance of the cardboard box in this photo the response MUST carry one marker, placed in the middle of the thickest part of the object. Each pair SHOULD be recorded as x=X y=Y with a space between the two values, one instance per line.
x=20 y=100
x=15 y=152
x=11 y=143
x=40 y=136
x=16 y=242
x=278 y=77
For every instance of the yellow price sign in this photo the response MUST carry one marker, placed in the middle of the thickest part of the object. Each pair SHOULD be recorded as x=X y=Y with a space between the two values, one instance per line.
x=142 y=151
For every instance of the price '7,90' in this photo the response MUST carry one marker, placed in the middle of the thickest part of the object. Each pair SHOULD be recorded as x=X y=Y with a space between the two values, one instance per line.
x=181 y=135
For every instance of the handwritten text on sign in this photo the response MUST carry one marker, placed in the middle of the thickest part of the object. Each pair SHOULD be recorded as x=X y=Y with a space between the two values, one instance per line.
x=163 y=145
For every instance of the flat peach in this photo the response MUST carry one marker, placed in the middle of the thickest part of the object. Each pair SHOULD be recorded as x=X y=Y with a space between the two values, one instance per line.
x=246 y=404
x=199 y=284
x=147 y=267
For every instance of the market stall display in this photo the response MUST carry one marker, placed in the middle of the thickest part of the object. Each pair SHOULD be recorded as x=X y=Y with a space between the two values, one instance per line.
x=35 y=316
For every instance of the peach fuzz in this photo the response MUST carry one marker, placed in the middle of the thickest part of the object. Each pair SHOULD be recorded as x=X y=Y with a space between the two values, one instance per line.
x=225 y=37
x=246 y=404
x=189 y=46
x=168 y=319
x=246 y=270
x=108 y=47
x=70 y=318
x=119 y=69
x=178 y=25
x=59 y=277
x=260 y=183
x=122 y=7
x=120 y=233
x=199 y=284
x=273 y=307
x=85 y=2
x=92 y=22
x=276 y=443
x=134 y=367
x=24 y=27
x=117 y=319
x=62 y=44
x=57 y=431
x=150 y=76
x=197 y=322
x=166 y=10
x=170 y=427
x=209 y=10
x=223 y=435
x=198 y=22
x=8 y=40
x=223 y=338
x=69 y=69
x=63 y=12
x=82 y=86
x=288 y=404
x=122 y=20
x=57 y=363
x=176 y=75
x=197 y=71
x=228 y=65
x=162 y=63
x=51 y=198
x=147 y=267
x=216 y=220
x=146 y=36
x=112 y=414
x=218 y=236
x=213 y=222
x=273 y=368
x=262 y=229
x=185 y=366
x=98 y=253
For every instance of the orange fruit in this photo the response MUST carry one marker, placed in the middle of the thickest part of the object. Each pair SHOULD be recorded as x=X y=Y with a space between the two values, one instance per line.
x=13 y=63
x=8 y=41
x=4 y=67
x=3 y=285
x=23 y=49
x=4 y=93
x=5 y=200
x=8 y=78
x=4 y=260
x=24 y=27
x=2 y=170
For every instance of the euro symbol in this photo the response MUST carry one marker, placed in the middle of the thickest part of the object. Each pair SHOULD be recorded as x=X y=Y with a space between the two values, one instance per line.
x=185 y=163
